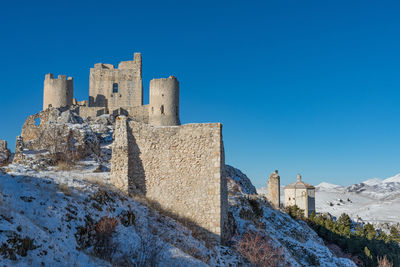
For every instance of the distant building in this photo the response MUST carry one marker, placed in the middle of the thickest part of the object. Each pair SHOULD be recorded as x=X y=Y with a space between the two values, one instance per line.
x=301 y=194
x=273 y=194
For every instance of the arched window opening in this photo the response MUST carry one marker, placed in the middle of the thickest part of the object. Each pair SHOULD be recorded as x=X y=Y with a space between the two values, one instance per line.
x=37 y=122
x=152 y=110
x=115 y=87
x=162 y=109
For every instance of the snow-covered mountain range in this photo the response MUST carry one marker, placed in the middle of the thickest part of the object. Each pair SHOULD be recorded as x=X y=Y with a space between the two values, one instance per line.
x=375 y=200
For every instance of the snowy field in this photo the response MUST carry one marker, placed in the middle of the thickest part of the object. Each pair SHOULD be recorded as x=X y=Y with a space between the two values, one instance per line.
x=376 y=201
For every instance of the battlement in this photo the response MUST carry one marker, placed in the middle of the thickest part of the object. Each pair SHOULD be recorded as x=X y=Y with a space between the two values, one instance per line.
x=50 y=76
x=57 y=92
x=136 y=63
x=104 y=66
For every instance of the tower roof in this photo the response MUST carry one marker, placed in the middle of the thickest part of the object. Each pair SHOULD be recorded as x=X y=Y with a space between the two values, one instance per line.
x=299 y=184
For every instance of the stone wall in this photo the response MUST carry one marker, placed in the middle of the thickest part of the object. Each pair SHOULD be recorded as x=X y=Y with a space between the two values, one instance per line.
x=92 y=112
x=5 y=153
x=182 y=168
x=140 y=114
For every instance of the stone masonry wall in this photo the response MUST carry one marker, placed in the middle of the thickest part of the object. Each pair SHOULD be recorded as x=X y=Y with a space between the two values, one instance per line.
x=274 y=187
x=91 y=112
x=182 y=168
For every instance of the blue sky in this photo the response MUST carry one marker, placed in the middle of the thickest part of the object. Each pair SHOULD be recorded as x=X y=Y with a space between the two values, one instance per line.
x=300 y=86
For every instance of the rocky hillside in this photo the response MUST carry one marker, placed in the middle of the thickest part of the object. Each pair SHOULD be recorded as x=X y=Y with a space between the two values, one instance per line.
x=58 y=215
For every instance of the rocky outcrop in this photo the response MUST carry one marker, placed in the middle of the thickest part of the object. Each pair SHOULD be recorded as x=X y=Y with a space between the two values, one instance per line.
x=240 y=178
x=57 y=132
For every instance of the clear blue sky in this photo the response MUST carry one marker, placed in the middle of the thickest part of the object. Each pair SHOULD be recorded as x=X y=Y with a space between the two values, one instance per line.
x=300 y=86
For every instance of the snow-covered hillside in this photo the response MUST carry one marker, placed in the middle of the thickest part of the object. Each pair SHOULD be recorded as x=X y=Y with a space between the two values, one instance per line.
x=49 y=215
x=69 y=215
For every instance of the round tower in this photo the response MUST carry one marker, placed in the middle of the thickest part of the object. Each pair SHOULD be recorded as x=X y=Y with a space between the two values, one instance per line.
x=164 y=102
x=57 y=92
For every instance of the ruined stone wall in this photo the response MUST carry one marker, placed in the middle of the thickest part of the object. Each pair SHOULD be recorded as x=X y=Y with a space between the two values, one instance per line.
x=274 y=185
x=182 y=168
x=140 y=114
x=113 y=88
x=50 y=131
x=5 y=153
x=92 y=112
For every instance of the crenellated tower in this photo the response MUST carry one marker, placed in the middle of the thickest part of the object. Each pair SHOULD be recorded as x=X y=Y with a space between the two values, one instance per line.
x=57 y=92
x=164 y=102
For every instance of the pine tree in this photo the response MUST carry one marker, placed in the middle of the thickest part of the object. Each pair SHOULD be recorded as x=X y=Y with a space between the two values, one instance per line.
x=394 y=234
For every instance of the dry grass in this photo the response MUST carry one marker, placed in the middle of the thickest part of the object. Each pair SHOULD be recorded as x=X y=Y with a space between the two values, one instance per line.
x=65 y=189
x=384 y=262
x=259 y=251
x=197 y=231
x=64 y=165
x=104 y=246
x=99 y=181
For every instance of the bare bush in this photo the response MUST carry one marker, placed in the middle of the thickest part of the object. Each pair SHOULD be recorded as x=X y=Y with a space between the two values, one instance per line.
x=384 y=262
x=258 y=250
x=104 y=247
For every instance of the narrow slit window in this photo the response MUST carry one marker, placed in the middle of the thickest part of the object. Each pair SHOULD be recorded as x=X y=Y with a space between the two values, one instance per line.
x=115 y=87
x=162 y=109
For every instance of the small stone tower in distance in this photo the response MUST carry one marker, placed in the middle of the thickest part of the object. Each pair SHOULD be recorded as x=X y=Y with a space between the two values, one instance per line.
x=57 y=92
x=164 y=102
x=274 y=185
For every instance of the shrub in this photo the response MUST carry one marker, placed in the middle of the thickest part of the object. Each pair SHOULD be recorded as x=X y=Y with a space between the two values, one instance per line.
x=104 y=247
x=255 y=207
x=384 y=262
x=16 y=245
x=127 y=218
x=258 y=250
x=295 y=212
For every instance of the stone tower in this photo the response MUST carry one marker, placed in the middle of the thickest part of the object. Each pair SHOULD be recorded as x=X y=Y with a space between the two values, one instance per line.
x=57 y=92
x=274 y=185
x=116 y=88
x=164 y=102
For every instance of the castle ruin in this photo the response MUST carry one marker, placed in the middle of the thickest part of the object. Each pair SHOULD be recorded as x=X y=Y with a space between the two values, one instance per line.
x=118 y=91
x=181 y=168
